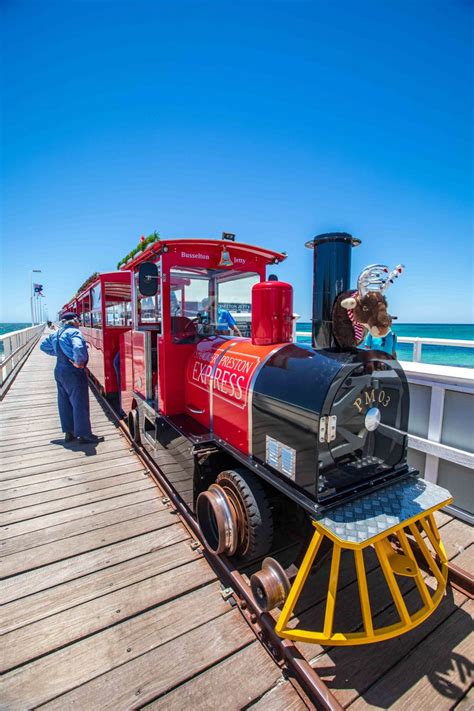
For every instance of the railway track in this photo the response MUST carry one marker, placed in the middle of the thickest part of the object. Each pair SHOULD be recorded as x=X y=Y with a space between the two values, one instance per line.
x=285 y=653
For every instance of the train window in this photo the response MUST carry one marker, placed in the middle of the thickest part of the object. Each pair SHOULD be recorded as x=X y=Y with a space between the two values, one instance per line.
x=235 y=297
x=83 y=309
x=115 y=315
x=96 y=297
x=97 y=319
x=149 y=307
x=205 y=302
x=96 y=303
x=118 y=309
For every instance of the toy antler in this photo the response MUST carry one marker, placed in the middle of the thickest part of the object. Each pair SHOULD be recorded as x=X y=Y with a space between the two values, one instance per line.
x=372 y=278
x=376 y=277
x=394 y=274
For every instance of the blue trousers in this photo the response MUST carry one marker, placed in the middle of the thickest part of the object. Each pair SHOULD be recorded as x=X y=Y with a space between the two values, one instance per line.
x=73 y=399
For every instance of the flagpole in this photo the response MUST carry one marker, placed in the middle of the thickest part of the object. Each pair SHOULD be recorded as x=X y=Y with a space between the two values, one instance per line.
x=32 y=298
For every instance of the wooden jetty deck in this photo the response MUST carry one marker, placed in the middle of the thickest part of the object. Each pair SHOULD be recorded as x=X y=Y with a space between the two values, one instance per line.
x=107 y=605
x=105 y=602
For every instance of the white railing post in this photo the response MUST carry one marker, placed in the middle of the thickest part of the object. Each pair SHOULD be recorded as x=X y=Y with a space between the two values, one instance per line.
x=435 y=428
x=417 y=345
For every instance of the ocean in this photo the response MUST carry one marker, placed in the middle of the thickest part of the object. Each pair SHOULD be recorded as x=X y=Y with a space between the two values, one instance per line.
x=439 y=355
x=8 y=328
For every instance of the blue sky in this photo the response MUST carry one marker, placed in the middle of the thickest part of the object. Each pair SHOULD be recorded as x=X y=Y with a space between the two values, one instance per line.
x=274 y=120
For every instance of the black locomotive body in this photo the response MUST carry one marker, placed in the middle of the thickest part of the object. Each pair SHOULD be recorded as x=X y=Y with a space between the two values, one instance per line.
x=333 y=422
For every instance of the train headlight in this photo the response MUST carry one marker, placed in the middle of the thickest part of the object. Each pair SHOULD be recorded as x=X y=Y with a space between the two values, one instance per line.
x=372 y=419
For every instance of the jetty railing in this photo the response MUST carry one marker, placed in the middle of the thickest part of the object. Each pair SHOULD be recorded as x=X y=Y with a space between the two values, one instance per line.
x=440 y=441
x=16 y=347
x=417 y=343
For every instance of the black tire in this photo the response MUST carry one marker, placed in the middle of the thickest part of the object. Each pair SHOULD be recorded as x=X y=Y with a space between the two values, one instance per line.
x=254 y=512
x=134 y=425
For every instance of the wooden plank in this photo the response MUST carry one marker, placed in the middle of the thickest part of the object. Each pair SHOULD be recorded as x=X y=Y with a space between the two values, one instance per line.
x=156 y=672
x=23 y=475
x=17 y=417
x=226 y=681
x=90 y=471
x=13 y=467
x=84 y=564
x=22 y=399
x=465 y=560
x=43 y=526
x=66 y=496
x=87 y=541
x=49 y=602
x=456 y=537
x=41 y=440
x=27 y=515
x=33 y=429
x=49 y=677
x=281 y=698
x=139 y=504
x=442 y=518
x=46 y=635
x=436 y=674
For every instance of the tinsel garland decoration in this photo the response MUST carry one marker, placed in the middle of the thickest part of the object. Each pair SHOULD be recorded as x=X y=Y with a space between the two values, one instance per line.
x=141 y=246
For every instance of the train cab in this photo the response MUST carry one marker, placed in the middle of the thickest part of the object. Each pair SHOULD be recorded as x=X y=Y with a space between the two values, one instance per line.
x=188 y=296
x=104 y=305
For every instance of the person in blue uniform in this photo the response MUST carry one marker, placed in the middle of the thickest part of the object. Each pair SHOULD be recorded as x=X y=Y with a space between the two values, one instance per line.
x=387 y=343
x=67 y=344
x=225 y=321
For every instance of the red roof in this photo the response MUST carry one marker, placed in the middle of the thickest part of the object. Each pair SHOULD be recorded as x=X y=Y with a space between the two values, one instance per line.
x=268 y=255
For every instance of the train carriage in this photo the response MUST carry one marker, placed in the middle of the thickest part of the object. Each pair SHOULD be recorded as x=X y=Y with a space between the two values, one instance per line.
x=104 y=306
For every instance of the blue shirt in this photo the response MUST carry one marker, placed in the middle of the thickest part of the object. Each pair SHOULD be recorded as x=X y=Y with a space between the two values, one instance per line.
x=387 y=343
x=72 y=343
x=225 y=320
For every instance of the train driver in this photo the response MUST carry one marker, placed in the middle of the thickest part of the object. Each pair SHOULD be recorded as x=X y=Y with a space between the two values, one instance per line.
x=70 y=349
x=225 y=321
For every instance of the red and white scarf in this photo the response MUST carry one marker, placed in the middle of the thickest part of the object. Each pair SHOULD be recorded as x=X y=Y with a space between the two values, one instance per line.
x=359 y=329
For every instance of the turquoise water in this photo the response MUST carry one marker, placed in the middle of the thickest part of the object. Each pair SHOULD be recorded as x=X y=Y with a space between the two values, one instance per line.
x=430 y=354
x=438 y=355
x=8 y=328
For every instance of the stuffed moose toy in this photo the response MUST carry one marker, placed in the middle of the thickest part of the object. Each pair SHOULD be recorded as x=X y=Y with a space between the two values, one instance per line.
x=360 y=318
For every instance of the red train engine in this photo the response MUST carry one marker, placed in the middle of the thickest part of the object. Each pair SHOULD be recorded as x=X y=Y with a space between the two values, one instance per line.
x=255 y=431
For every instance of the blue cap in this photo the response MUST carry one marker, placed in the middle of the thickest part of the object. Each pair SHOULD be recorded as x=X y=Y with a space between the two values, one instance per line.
x=70 y=316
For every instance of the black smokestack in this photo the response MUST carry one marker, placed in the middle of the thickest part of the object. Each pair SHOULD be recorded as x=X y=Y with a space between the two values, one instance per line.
x=331 y=276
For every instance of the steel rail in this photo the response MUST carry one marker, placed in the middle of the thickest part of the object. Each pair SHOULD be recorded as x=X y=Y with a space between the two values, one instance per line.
x=283 y=651
x=461 y=579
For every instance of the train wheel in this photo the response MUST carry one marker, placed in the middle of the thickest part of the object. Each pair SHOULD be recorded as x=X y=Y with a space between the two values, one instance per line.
x=134 y=425
x=235 y=516
x=270 y=585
